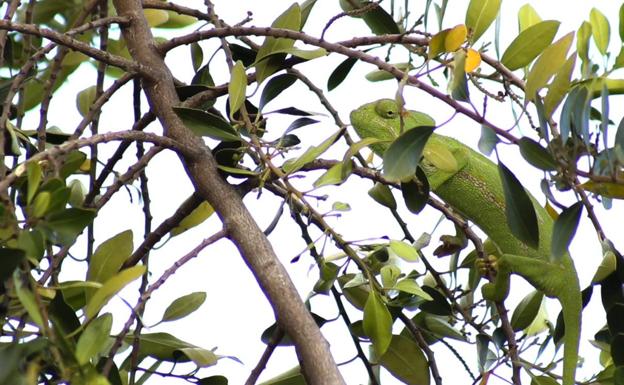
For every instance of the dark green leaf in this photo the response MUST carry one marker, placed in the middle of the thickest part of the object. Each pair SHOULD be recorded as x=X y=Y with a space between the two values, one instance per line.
x=274 y=87
x=339 y=74
x=292 y=111
x=416 y=192
x=403 y=155
x=244 y=54
x=536 y=155
x=311 y=153
x=301 y=122
x=405 y=360
x=306 y=8
x=197 y=56
x=213 y=380
x=27 y=297
x=72 y=163
x=183 y=306
x=70 y=222
x=526 y=311
x=519 y=209
x=459 y=84
x=9 y=260
x=202 y=77
x=382 y=194
x=206 y=124
x=438 y=306
x=565 y=228
x=482 y=351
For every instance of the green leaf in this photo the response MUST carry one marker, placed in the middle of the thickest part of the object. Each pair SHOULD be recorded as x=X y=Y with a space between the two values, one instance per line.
x=289 y=19
x=404 y=251
x=160 y=346
x=607 y=266
x=526 y=311
x=559 y=86
x=487 y=140
x=480 y=14
x=200 y=357
x=381 y=75
x=177 y=20
x=405 y=360
x=410 y=286
x=199 y=214
x=85 y=99
x=27 y=298
x=389 y=275
x=606 y=189
x=377 y=323
x=32 y=242
x=543 y=380
x=527 y=17
x=274 y=87
x=582 y=40
x=203 y=123
x=548 y=63
x=111 y=287
x=311 y=153
x=197 y=56
x=300 y=53
x=33 y=169
x=529 y=44
x=339 y=74
x=621 y=25
x=41 y=204
x=341 y=206
x=519 y=210
x=536 y=155
x=237 y=87
x=94 y=338
x=332 y=176
x=600 y=30
x=482 y=351
x=109 y=256
x=306 y=8
x=382 y=194
x=403 y=155
x=458 y=86
x=565 y=228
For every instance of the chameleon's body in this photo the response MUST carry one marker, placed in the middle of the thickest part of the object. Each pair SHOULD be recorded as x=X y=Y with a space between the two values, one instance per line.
x=474 y=189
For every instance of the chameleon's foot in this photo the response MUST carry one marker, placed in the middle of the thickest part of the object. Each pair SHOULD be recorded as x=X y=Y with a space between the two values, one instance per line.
x=489 y=267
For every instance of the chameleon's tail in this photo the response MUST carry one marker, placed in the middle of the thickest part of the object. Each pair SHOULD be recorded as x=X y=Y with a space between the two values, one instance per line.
x=572 y=307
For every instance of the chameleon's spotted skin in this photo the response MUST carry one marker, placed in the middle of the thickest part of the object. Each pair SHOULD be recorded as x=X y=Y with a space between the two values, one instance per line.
x=476 y=191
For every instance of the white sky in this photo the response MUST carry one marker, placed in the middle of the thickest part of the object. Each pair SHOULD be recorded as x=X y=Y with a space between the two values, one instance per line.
x=235 y=312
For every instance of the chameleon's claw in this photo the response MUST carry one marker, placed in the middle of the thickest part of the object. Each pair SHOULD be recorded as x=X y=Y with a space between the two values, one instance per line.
x=487 y=265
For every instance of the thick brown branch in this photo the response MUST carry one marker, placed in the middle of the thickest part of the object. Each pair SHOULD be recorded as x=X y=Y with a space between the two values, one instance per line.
x=292 y=315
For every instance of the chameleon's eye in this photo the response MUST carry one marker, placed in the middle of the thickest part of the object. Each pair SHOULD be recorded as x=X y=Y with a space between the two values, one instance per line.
x=387 y=109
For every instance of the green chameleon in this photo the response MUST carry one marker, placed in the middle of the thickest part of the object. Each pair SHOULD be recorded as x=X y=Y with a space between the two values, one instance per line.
x=471 y=185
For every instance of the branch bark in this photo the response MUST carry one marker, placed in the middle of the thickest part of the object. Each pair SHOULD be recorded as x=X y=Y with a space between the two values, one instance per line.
x=293 y=317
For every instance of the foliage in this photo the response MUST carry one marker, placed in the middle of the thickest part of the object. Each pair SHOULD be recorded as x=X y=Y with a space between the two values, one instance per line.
x=401 y=305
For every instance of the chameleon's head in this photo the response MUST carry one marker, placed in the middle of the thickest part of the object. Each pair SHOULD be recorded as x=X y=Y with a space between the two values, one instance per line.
x=382 y=120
